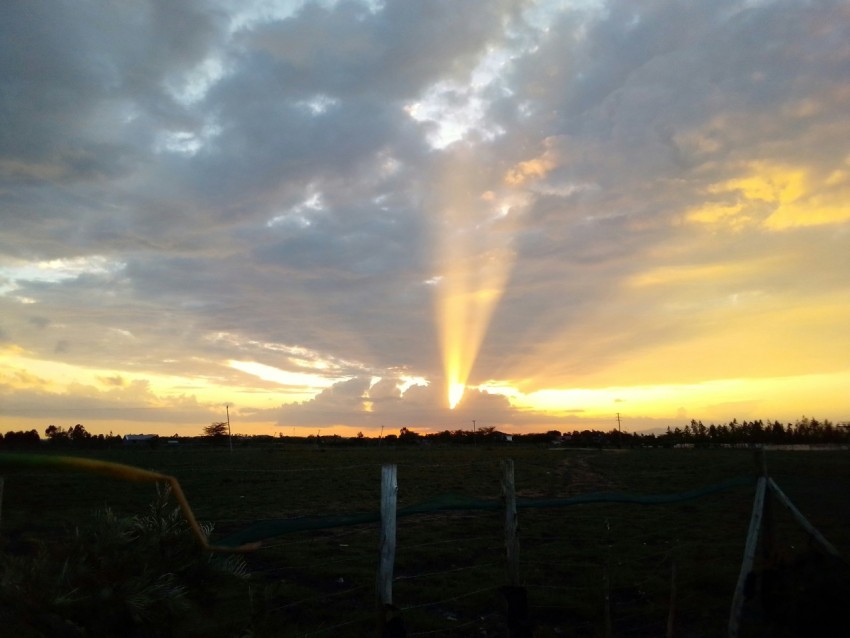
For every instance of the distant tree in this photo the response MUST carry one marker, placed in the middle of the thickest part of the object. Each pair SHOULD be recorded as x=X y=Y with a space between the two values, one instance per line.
x=20 y=439
x=444 y=437
x=406 y=435
x=56 y=434
x=78 y=433
x=777 y=432
x=216 y=431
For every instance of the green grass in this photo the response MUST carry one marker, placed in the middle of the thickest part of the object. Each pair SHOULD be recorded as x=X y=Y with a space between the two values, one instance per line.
x=449 y=565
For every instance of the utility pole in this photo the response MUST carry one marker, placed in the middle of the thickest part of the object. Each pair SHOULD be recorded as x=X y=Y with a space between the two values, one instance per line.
x=229 y=435
x=619 y=432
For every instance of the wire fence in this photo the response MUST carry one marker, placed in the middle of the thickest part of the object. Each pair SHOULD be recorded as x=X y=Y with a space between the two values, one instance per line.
x=594 y=559
x=592 y=564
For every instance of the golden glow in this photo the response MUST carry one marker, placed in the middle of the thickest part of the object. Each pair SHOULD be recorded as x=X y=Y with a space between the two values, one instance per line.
x=464 y=314
x=785 y=396
x=475 y=255
x=283 y=377
x=817 y=210
x=777 y=197
x=130 y=402
x=741 y=398
x=686 y=275
x=21 y=372
x=769 y=183
x=456 y=391
x=535 y=168
x=407 y=382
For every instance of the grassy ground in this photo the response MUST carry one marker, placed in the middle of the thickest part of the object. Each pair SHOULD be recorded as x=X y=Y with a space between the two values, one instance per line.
x=589 y=570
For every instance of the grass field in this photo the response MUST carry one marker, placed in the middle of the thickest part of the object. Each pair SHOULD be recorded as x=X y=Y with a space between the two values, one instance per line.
x=600 y=569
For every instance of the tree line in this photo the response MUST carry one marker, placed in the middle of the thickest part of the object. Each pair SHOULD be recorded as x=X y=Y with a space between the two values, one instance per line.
x=57 y=436
x=803 y=431
x=696 y=433
x=758 y=432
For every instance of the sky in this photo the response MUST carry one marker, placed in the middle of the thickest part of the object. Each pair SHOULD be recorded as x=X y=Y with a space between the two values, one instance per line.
x=349 y=216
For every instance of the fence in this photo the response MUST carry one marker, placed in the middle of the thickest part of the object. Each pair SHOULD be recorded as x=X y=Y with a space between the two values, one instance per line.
x=451 y=564
x=761 y=528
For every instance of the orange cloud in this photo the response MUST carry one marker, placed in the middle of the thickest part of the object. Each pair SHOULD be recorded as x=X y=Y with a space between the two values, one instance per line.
x=776 y=197
x=533 y=169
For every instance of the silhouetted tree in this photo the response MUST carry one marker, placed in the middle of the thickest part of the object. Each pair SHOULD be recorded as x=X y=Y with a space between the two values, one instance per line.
x=78 y=433
x=20 y=439
x=216 y=431
x=406 y=435
x=56 y=434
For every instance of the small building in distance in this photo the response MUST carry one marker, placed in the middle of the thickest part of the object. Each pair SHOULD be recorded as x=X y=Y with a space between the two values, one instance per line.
x=141 y=439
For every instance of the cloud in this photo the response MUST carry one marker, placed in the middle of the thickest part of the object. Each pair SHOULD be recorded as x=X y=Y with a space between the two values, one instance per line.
x=33 y=398
x=360 y=403
x=188 y=184
x=79 y=81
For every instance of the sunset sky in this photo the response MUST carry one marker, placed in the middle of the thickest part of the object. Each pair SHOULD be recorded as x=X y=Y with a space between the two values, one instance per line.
x=341 y=216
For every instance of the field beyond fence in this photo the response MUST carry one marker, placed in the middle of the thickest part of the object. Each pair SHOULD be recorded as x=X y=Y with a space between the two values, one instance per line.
x=587 y=569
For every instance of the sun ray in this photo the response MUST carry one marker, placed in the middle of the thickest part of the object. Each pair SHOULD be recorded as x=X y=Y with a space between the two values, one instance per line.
x=474 y=256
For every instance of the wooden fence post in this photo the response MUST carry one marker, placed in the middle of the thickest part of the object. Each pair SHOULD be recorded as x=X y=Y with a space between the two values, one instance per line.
x=388 y=625
x=671 y=613
x=511 y=539
x=516 y=597
x=768 y=534
x=749 y=558
x=606 y=600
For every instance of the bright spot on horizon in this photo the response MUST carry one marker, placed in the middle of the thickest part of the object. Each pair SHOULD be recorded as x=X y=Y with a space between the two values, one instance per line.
x=456 y=391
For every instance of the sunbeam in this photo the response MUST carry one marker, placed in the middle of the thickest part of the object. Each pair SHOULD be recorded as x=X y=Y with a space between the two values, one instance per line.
x=474 y=256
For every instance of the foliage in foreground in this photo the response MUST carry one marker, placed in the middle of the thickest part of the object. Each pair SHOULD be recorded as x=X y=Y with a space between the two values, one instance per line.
x=139 y=576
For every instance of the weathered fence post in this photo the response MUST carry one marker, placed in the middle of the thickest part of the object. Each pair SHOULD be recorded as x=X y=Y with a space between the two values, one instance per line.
x=516 y=597
x=606 y=599
x=749 y=557
x=671 y=613
x=388 y=624
x=768 y=534
x=511 y=524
